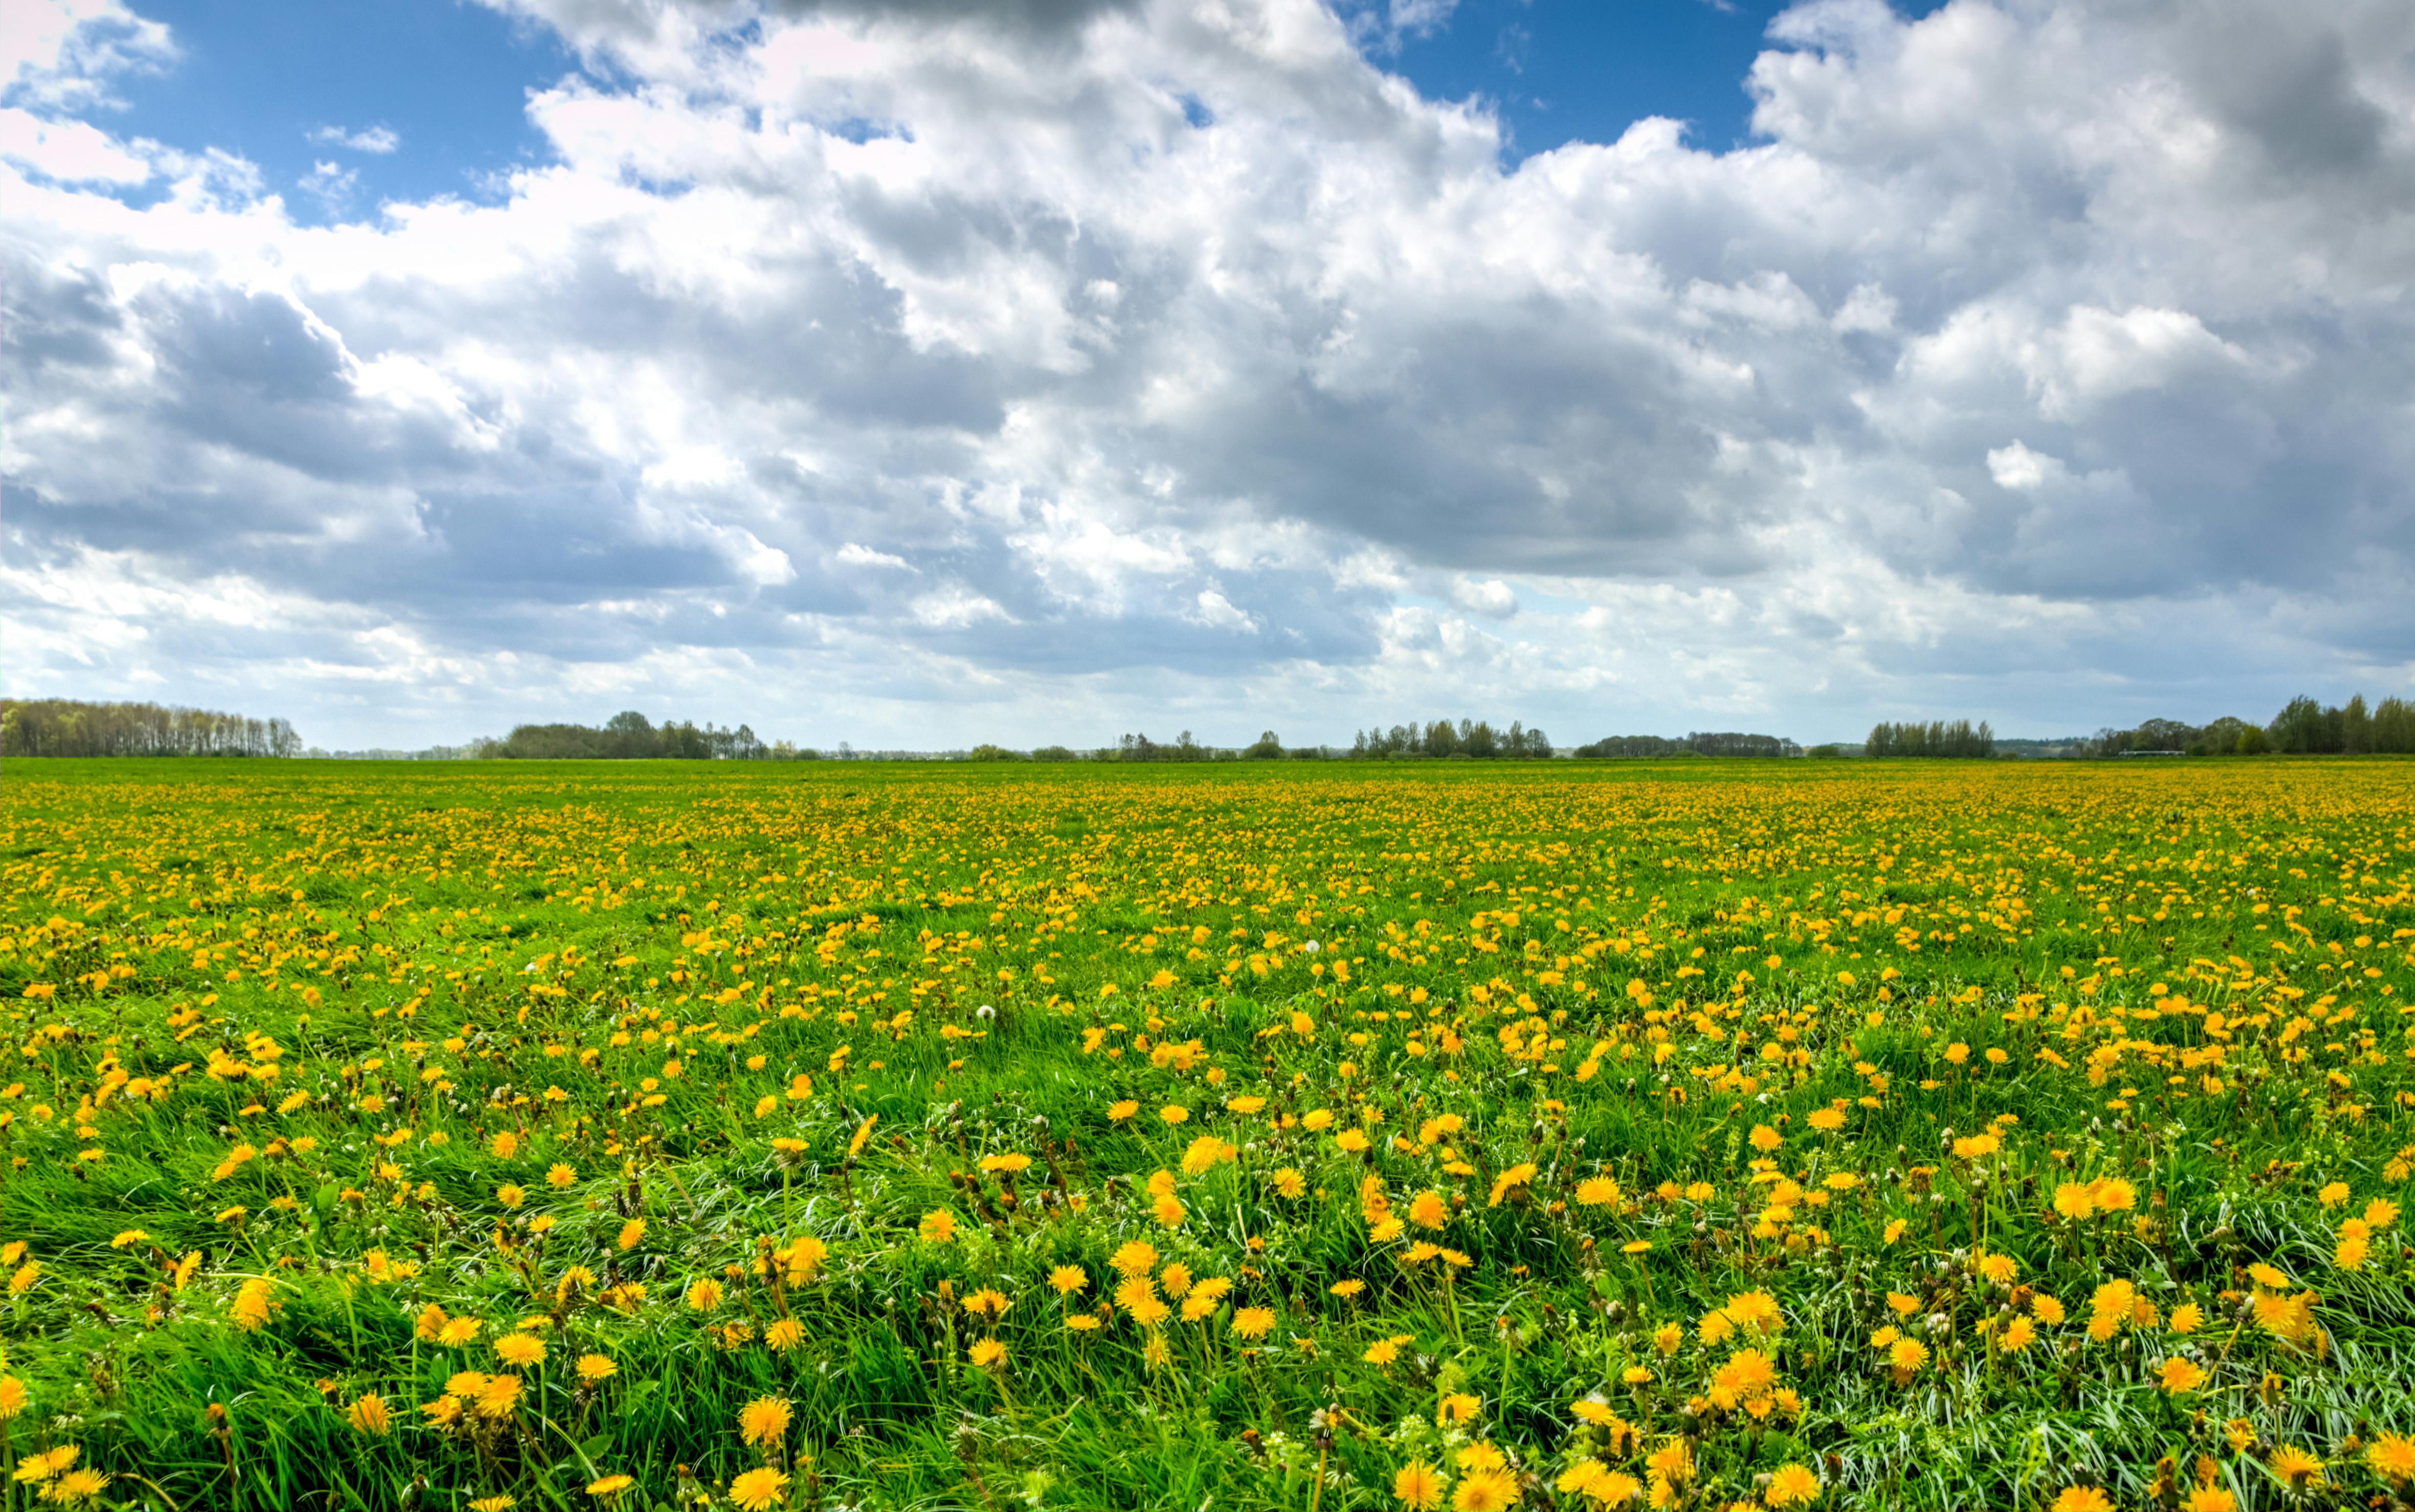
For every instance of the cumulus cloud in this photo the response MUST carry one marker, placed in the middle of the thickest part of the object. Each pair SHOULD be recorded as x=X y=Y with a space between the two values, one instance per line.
x=2042 y=360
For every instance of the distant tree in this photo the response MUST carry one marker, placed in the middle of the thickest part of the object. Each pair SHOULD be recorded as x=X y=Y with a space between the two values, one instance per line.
x=1267 y=747
x=2218 y=738
x=1632 y=747
x=631 y=734
x=67 y=728
x=994 y=752
x=2356 y=727
x=1441 y=739
x=1475 y=738
x=1935 y=739
x=1054 y=753
x=2304 y=726
x=2252 y=742
x=2394 y=726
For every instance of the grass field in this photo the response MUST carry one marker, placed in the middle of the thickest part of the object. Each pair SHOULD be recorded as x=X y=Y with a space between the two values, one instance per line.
x=634 y=1136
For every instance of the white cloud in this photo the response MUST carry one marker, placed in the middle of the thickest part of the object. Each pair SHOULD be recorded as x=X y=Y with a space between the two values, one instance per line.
x=863 y=556
x=1492 y=597
x=377 y=139
x=937 y=359
x=2018 y=466
x=331 y=184
x=1218 y=612
x=69 y=150
x=62 y=53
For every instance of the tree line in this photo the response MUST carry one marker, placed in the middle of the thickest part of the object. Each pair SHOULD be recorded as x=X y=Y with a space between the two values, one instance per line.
x=69 y=727
x=1695 y=743
x=1139 y=747
x=1935 y=739
x=2304 y=726
x=630 y=736
x=1473 y=739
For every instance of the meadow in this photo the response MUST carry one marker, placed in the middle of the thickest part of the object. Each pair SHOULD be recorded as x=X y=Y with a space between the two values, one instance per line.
x=1709 y=1135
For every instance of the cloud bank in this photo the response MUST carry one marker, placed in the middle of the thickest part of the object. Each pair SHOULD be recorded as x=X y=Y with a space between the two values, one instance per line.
x=924 y=372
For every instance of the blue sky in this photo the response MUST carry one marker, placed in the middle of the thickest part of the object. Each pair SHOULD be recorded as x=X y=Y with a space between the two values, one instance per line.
x=411 y=369
x=1563 y=70
x=291 y=85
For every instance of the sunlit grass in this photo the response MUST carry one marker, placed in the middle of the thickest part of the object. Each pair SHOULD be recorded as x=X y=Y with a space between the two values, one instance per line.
x=1762 y=1133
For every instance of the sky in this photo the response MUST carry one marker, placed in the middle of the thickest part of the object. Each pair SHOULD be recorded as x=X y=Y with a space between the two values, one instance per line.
x=921 y=372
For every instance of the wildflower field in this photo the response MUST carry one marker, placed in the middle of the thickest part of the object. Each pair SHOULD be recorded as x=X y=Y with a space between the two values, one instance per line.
x=1341 y=1136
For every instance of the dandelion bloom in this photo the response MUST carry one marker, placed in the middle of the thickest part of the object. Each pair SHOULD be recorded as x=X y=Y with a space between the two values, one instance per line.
x=1790 y=1485
x=758 y=1491
x=1674 y=1463
x=1252 y=1322
x=763 y=1421
x=938 y=1226
x=499 y=1398
x=368 y=1414
x=2177 y=1375
x=1134 y=1257
x=12 y=1397
x=611 y=1485
x=2296 y=1467
x=1417 y=1486
x=1068 y=1280
x=1485 y=1491
x=631 y=1233
x=988 y=1354
x=251 y=1304
x=521 y=1349
x=1174 y=1113
x=786 y=1334
x=2209 y=1499
x=986 y=1302
x=2391 y=1458
x=2082 y=1499
x=1905 y=1357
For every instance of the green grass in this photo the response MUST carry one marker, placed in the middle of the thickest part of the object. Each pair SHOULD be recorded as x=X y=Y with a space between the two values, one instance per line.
x=1618 y=970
